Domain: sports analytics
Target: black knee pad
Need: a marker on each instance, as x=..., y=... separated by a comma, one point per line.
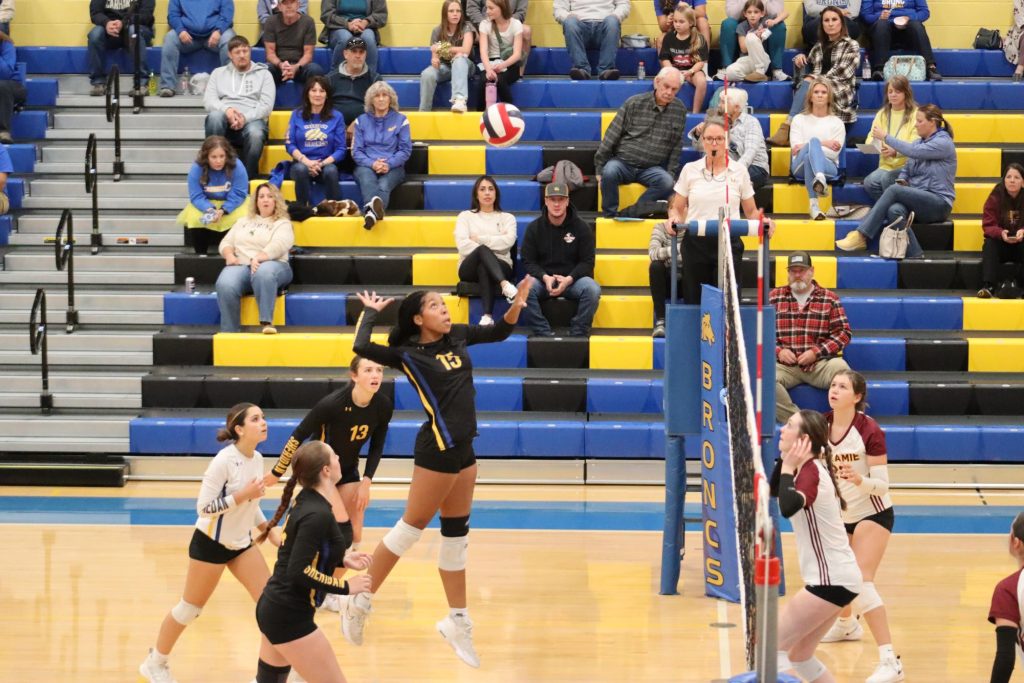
x=346, y=534
x=266, y=673
x=454, y=527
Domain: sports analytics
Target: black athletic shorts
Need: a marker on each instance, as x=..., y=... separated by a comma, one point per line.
x=837, y=595
x=451, y=461
x=205, y=549
x=349, y=475
x=885, y=519
x=282, y=624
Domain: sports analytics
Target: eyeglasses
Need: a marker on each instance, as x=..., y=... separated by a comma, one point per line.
x=714, y=140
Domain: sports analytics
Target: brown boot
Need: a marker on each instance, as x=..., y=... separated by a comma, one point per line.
x=781, y=137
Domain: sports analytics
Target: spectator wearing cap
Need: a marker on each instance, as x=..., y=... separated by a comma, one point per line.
x=592, y=25
x=239, y=98
x=811, y=331
x=195, y=25
x=115, y=29
x=558, y=251
x=345, y=19
x=350, y=81
x=6, y=168
x=643, y=143
x=290, y=36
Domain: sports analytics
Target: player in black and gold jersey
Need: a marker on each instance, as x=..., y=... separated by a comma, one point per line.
x=313, y=544
x=433, y=354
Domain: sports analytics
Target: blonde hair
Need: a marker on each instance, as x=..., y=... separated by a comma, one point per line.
x=696, y=39
x=900, y=84
x=376, y=89
x=280, y=208
x=808, y=107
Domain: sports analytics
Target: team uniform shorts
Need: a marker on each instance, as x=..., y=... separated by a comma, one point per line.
x=282, y=624
x=885, y=519
x=205, y=549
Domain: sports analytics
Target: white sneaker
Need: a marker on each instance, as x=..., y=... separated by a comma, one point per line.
x=780, y=75
x=843, y=631
x=155, y=672
x=458, y=632
x=510, y=291
x=459, y=105
x=889, y=670
x=486, y=320
x=821, y=184
x=353, y=621
x=334, y=603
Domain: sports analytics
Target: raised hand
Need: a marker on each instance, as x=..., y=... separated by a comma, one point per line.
x=374, y=300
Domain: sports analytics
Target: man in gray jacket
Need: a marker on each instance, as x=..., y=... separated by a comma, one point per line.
x=595, y=25
x=239, y=98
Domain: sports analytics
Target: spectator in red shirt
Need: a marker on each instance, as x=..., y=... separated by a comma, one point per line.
x=1003, y=223
x=1006, y=608
x=811, y=331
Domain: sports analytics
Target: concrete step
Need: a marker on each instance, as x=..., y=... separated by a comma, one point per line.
x=155, y=121
x=132, y=168
x=176, y=188
x=97, y=383
x=150, y=104
x=106, y=134
x=85, y=262
x=79, y=401
x=55, y=277
x=49, y=425
x=45, y=223
x=75, y=153
x=83, y=201
x=81, y=348
x=32, y=239
x=94, y=308
x=79, y=84
x=66, y=444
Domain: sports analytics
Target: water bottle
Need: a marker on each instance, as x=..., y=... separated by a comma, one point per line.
x=210, y=216
x=865, y=68
x=490, y=93
x=153, y=83
x=183, y=82
x=641, y=70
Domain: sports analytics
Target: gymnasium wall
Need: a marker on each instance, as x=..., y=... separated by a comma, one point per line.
x=65, y=22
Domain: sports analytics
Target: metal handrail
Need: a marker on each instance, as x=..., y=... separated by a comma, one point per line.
x=91, y=178
x=37, y=345
x=114, y=116
x=64, y=253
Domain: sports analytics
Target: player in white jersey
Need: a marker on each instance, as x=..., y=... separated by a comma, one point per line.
x=805, y=485
x=1006, y=609
x=228, y=507
x=859, y=452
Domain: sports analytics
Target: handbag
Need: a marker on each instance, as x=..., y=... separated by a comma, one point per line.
x=988, y=39
x=909, y=66
x=893, y=243
x=635, y=41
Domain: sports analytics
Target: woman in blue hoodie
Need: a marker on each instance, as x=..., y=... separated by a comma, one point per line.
x=925, y=187
x=217, y=189
x=316, y=141
x=381, y=144
x=12, y=86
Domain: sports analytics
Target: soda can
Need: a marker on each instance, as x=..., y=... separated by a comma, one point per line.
x=190, y=285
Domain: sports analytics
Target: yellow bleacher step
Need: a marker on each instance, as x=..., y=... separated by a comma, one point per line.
x=993, y=314
x=971, y=162
x=967, y=235
x=392, y=232
x=790, y=234
x=825, y=271
x=621, y=353
x=995, y=355
x=285, y=350
x=623, y=234
x=611, y=270
x=457, y=160
x=792, y=198
x=250, y=312
x=624, y=312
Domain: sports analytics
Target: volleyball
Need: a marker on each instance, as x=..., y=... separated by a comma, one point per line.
x=502, y=125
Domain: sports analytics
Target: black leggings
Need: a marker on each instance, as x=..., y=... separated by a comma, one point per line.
x=700, y=265
x=484, y=267
x=203, y=238
x=660, y=275
x=505, y=80
x=994, y=253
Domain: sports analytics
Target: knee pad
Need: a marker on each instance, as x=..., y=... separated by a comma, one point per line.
x=185, y=613
x=346, y=532
x=809, y=670
x=868, y=598
x=452, y=557
x=268, y=673
x=401, y=537
x=453, y=527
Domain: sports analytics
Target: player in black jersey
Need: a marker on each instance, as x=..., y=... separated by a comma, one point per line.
x=345, y=419
x=313, y=545
x=432, y=353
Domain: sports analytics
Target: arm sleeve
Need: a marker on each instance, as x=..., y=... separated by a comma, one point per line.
x=174, y=16
x=610, y=141
x=990, y=218
x=675, y=147
x=665, y=53
x=362, y=345
x=96, y=13
x=1002, y=664
x=404, y=146
x=920, y=12
x=282, y=239
x=268, y=93
x=377, y=439
x=528, y=252
x=227, y=15
x=263, y=11
x=870, y=11
x=378, y=16
x=211, y=502
x=474, y=11
x=311, y=424
x=877, y=484
x=196, y=195
x=938, y=147
x=228, y=241
x=501, y=242
x=753, y=139
x=519, y=10
x=656, y=248
x=791, y=501
x=487, y=334
x=302, y=571
x=294, y=132
x=340, y=143
x=463, y=244
x=839, y=332
x=211, y=96
x=358, y=152
x=585, y=267
x=239, y=189
x=561, y=10
x=853, y=6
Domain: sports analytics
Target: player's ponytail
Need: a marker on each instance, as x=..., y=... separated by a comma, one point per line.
x=813, y=424
x=310, y=458
x=1017, y=529
x=235, y=418
x=406, y=327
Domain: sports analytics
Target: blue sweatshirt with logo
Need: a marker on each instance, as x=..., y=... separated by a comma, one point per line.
x=232, y=190
x=200, y=17
x=317, y=139
x=385, y=137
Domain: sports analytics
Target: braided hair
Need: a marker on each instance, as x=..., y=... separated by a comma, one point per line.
x=813, y=424
x=310, y=458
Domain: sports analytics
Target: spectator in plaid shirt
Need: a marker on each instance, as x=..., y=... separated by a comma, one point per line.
x=811, y=330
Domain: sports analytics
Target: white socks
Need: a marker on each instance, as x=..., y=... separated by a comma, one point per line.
x=886, y=652
x=459, y=613
x=363, y=600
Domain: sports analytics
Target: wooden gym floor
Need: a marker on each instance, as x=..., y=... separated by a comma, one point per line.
x=83, y=590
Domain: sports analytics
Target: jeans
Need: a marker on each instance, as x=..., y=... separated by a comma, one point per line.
x=799, y=96
x=483, y=267
x=173, y=48
x=305, y=71
x=372, y=185
x=656, y=179
x=250, y=138
x=811, y=24
x=914, y=37
x=11, y=94
x=340, y=36
x=728, y=43
x=659, y=276
x=898, y=201
x=99, y=42
x=758, y=177
x=328, y=177
x=876, y=182
x=584, y=290
x=809, y=162
x=457, y=72
x=602, y=35
x=234, y=282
